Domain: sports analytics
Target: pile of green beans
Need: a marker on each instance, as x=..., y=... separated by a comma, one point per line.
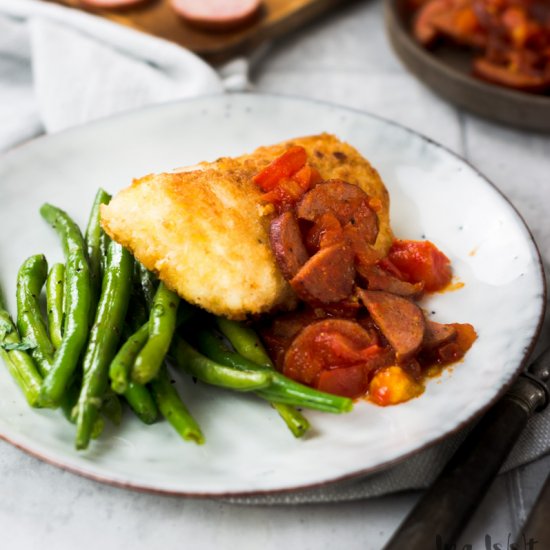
x=112, y=330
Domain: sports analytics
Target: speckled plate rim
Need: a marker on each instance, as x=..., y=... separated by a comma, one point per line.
x=84, y=472
x=472, y=94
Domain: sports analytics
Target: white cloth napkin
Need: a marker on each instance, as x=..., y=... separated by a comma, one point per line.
x=61, y=67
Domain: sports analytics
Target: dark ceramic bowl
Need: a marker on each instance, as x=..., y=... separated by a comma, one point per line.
x=447, y=71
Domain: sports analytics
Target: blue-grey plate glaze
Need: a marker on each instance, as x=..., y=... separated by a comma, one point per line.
x=435, y=195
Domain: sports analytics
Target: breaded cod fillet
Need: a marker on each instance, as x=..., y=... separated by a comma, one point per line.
x=205, y=230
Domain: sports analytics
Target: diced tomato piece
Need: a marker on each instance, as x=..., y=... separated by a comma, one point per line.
x=315, y=177
x=282, y=167
x=392, y=385
x=421, y=262
x=347, y=382
x=303, y=177
x=287, y=193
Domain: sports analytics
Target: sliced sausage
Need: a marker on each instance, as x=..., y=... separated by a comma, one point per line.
x=362, y=228
x=455, y=350
x=400, y=321
x=287, y=245
x=349, y=203
x=326, y=231
x=424, y=30
x=378, y=279
x=326, y=345
x=347, y=309
x=437, y=334
x=279, y=334
x=366, y=255
x=503, y=75
x=218, y=15
x=326, y=277
x=114, y=4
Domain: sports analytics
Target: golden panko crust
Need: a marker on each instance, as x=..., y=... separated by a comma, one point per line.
x=205, y=232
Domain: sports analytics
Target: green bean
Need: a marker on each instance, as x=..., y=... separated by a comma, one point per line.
x=77, y=305
x=137, y=396
x=148, y=284
x=111, y=407
x=137, y=314
x=70, y=399
x=68, y=406
x=141, y=402
x=121, y=365
x=296, y=422
x=104, y=336
x=162, y=324
x=294, y=394
x=30, y=280
x=245, y=341
x=173, y=409
x=94, y=241
x=248, y=344
x=20, y=364
x=55, y=290
x=206, y=370
x=97, y=428
x=283, y=389
x=138, y=310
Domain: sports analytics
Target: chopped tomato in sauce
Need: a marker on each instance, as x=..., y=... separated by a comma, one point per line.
x=420, y=262
x=290, y=162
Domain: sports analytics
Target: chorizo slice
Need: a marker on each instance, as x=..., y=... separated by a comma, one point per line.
x=349, y=203
x=326, y=277
x=287, y=245
x=400, y=321
x=326, y=231
x=217, y=15
x=326, y=345
x=378, y=279
x=279, y=334
x=423, y=28
x=503, y=75
x=362, y=229
x=437, y=334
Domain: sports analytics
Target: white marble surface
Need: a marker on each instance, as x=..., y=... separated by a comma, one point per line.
x=345, y=59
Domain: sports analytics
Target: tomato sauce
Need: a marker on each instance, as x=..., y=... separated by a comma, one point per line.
x=358, y=330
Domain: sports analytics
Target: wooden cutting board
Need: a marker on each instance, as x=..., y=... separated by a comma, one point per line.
x=156, y=17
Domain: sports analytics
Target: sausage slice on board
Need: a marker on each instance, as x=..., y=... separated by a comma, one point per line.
x=114, y=4
x=400, y=320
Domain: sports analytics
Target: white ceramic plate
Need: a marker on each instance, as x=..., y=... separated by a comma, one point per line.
x=435, y=195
